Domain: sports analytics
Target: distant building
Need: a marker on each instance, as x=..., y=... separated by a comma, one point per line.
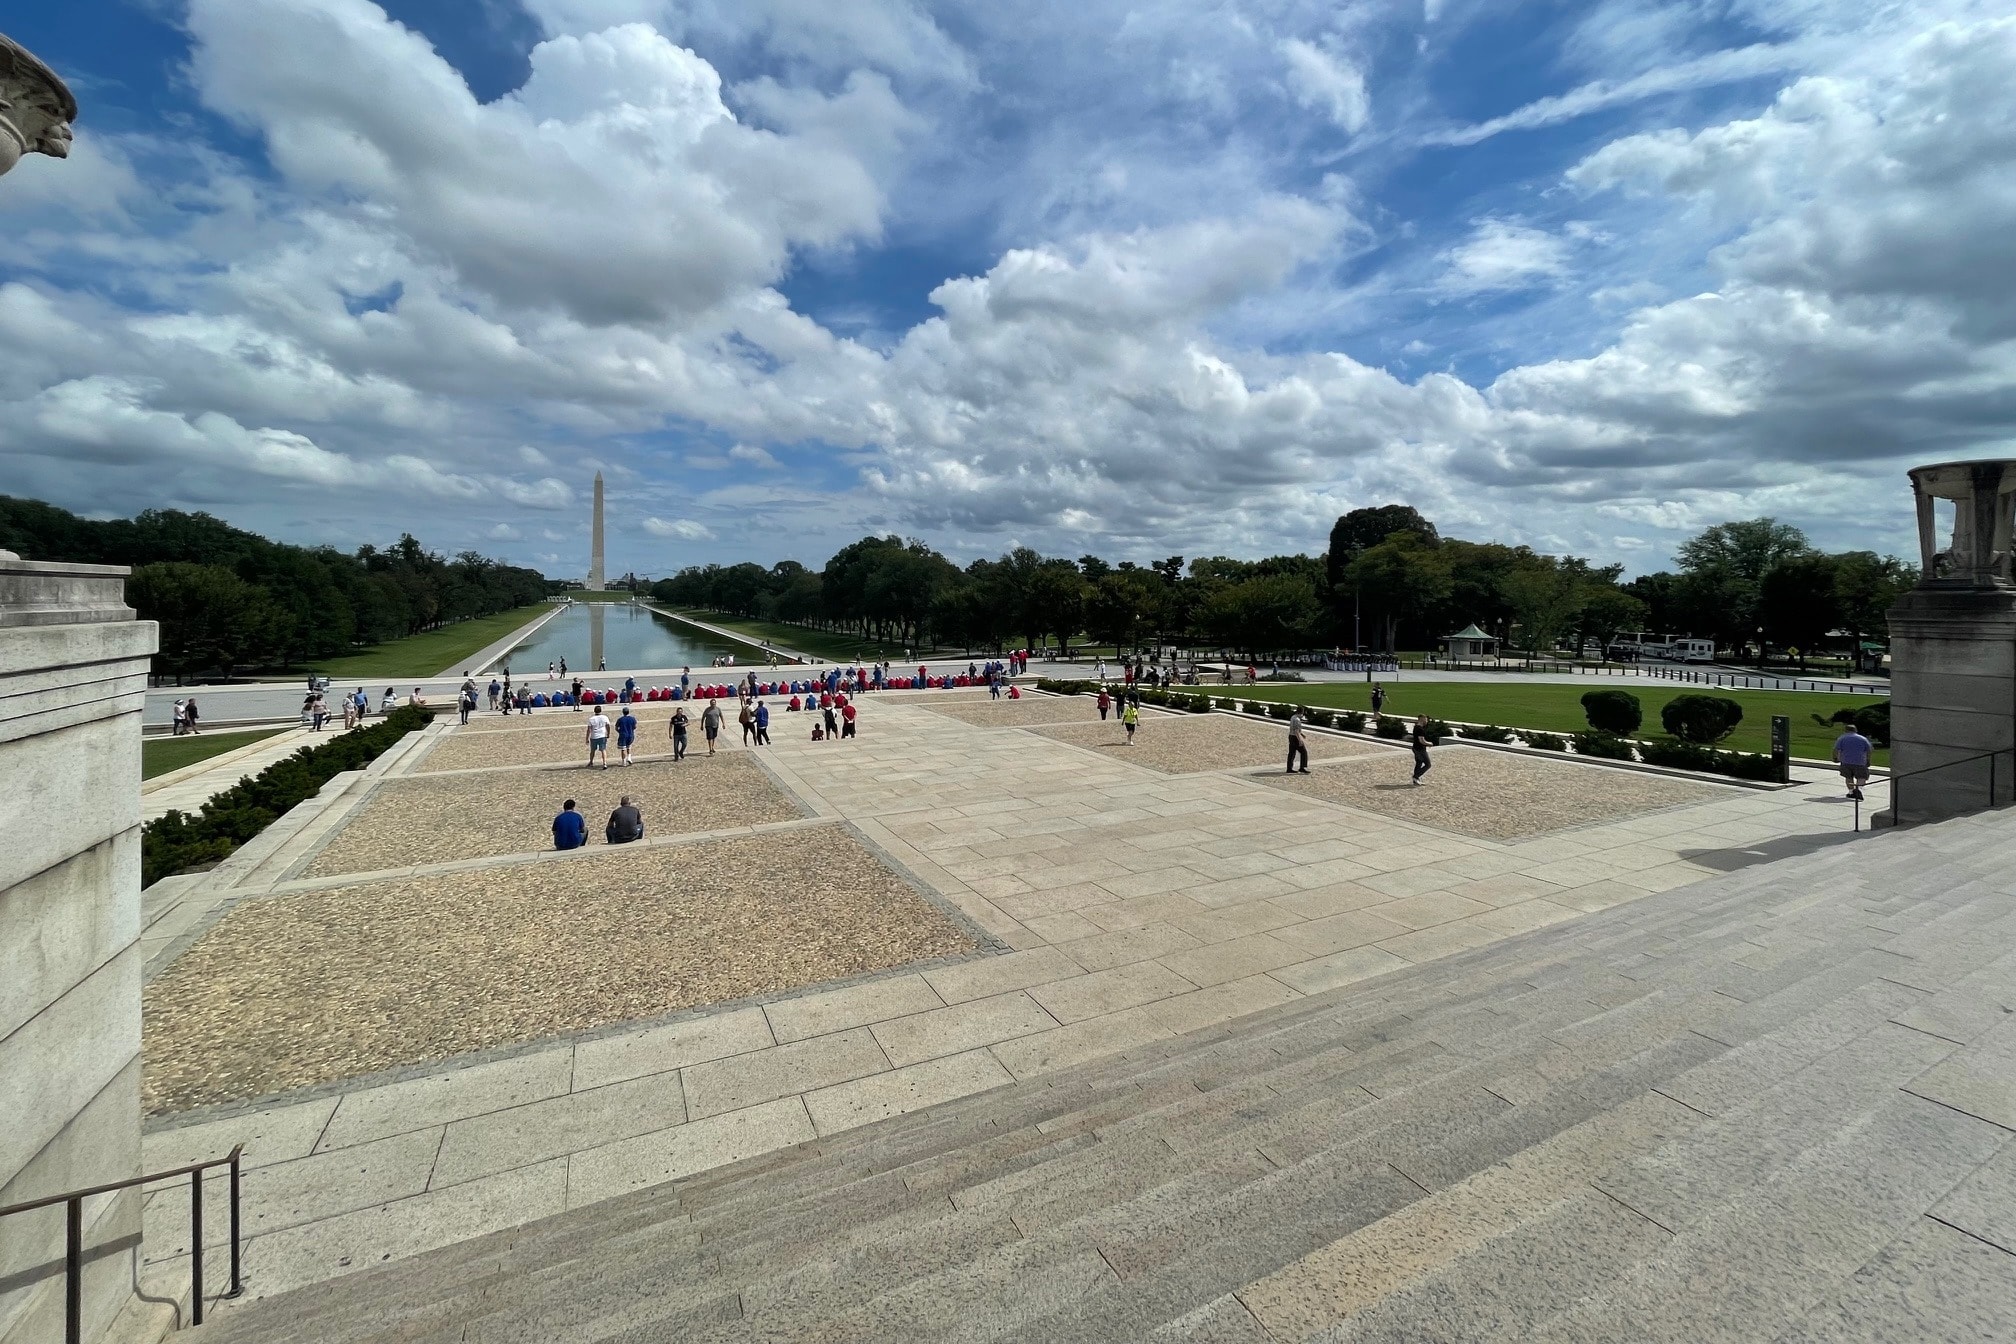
x=1470, y=642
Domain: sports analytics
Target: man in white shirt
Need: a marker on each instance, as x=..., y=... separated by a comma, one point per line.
x=598, y=737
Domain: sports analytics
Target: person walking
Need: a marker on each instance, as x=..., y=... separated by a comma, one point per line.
x=552, y=672
x=1851, y=754
x=762, y=724
x=678, y=727
x=710, y=724
x=832, y=722
x=570, y=828
x=574, y=694
x=563, y=667
x=1378, y=699
x=685, y=683
x=746, y=716
x=1105, y=703
x=190, y=717
x=178, y=719
x=1131, y=716
x=363, y=700
x=626, y=823
x=1420, y=741
x=626, y=734
x=468, y=702
x=1296, y=745
x=598, y=737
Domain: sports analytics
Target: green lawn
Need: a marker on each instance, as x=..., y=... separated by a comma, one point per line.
x=427, y=653
x=818, y=643
x=1553, y=707
x=159, y=755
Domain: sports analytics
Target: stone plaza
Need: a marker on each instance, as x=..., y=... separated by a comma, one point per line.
x=427, y=1026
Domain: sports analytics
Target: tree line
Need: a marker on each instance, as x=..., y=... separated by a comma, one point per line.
x=228, y=599
x=1388, y=581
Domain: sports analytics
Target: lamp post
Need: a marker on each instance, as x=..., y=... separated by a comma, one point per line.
x=36, y=107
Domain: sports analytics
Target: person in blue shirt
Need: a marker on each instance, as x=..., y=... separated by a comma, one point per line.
x=570, y=829
x=626, y=735
x=762, y=724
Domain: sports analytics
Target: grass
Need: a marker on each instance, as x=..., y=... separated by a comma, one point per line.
x=1555, y=708
x=819, y=643
x=159, y=755
x=427, y=653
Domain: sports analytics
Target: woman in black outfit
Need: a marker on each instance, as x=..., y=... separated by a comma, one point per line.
x=1421, y=742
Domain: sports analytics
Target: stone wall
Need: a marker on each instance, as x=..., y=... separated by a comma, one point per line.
x=73, y=677
x=1952, y=697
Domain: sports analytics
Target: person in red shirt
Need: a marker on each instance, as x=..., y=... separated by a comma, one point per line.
x=847, y=713
x=794, y=703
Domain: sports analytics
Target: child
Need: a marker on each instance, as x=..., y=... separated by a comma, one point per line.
x=818, y=733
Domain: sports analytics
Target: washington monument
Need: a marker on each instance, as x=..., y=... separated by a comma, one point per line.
x=595, y=552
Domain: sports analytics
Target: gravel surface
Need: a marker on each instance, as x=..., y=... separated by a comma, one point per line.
x=564, y=744
x=438, y=819
x=296, y=990
x=1497, y=795
x=1180, y=745
x=1006, y=713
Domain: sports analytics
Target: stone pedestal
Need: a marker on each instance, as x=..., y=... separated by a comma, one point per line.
x=1953, y=650
x=73, y=678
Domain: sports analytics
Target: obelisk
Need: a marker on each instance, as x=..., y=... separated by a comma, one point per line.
x=595, y=555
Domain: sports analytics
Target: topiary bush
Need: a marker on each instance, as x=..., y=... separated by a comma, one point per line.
x=1608, y=746
x=1873, y=722
x=1546, y=741
x=1320, y=718
x=1702, y=719
x=1350, y=720
x=1484, y=732
x=1435, y=729
x=1614, y=712
x=1280, y=709
x=1388, y=726
x=1255, y=707
x=1227, y=702
x=178, y=841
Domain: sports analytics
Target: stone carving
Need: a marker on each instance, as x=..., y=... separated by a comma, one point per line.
x=1984, y=504
x=36, y=107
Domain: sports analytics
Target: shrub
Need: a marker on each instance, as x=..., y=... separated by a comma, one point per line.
x=1227, y=702
x=1435, y=729
x=1255, y=707
x=1320, y=718
x=1486, y=732
x=177, y=842
x=1281, y=676
x=1609, y=746
x=1350, y=720
x=1388, y=726
x=1154, y=697
x=1062, y=686
x=1705, y=719
x=1614, y=712
x=1280, y=709
x=1546, y=741
x=1677, y=755
x=1872, y=721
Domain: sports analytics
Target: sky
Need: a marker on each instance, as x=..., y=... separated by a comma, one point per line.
x=1191, y=277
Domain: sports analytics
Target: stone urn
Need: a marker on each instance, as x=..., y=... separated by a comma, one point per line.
x=36, y=107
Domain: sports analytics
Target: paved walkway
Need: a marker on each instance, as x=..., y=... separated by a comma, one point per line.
x=1136, y=904
x=189, y=788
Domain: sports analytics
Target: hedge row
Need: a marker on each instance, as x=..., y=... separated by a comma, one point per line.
x=178, y=842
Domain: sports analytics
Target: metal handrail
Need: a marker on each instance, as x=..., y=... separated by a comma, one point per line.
x=1988, y=756
x=73, y=1251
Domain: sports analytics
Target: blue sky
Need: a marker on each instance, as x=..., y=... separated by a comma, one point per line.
x=1193, y=277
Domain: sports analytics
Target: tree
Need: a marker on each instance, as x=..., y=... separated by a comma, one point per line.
x=1401, y=579
x=1361, y=529
x=210, y=618
x=1866, y=585
x=1122, y=606
x=1057, y=602
x=1608, y=612
x=1265, y=613
x=1545, y=596
x=1798, y=602
x=1722, y=572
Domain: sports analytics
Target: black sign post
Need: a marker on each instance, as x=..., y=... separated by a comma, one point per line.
x=1781, y=747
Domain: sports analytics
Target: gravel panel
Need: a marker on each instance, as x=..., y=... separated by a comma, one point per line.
x=1497, y=795
x=439, y=819
x=293, y=991
x=1193, y=742
x=1006, y=713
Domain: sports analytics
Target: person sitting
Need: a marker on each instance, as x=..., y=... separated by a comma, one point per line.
x=1014, y=693
x=626, y=823
x=818, y=733
x=570, y=829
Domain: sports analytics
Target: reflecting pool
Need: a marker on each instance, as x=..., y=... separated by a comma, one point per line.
x=620, y=636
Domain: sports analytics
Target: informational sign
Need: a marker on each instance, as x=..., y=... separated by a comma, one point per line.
x=1781, y=747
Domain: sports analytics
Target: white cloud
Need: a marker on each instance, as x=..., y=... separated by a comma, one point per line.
x=1501, y=255
x=1327, y=82
x=751, y=455
x=683, y=529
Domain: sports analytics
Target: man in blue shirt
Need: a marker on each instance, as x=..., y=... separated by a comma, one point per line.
x=762, y=724
x=1851, y=753
x=626, y=734
x=570, y=829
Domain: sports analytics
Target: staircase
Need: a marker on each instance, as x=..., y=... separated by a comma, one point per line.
x=1779, y=1105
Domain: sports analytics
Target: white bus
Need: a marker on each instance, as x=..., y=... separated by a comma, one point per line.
x=1638, y=646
